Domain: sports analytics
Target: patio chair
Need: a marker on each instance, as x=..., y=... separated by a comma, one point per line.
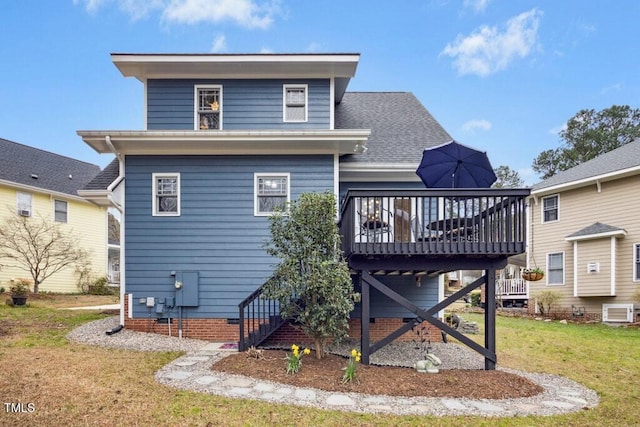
x=375, y=228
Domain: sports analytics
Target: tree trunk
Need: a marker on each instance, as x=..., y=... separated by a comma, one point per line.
x=36, y=286
x=319, y=348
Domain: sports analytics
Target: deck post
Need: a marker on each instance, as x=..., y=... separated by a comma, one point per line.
x=364, y=319
x=490, y=317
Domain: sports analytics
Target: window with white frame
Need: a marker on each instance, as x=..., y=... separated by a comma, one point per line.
x=271, y=193
x=555, y=268
x=60, y=210
x=23, y=204
x=636, y=262
x=166, y=194
x=550, y=208
x=208, y=107
x=295, y=103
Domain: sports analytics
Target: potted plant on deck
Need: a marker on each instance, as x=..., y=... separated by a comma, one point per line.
x=19, y=291
x=532, y=274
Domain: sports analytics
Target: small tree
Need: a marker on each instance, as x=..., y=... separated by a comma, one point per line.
x=545, y=300
x=312, y=281
x=38, y=246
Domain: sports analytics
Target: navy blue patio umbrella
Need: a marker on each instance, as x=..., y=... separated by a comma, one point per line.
x=454, y=165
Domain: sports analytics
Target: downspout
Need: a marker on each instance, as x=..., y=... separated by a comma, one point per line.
x=120, y=208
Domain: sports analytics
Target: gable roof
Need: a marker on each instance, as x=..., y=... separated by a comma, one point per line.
x=596, y=230
x=401, y=127
x=29, y=166
x=106, y=176
x=622, y=161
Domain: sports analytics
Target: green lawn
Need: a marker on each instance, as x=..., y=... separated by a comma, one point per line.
x=71, y=384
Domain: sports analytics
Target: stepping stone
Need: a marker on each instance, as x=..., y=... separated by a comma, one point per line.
x=574, y=399
x=240, y=391
x=487, y=407
x=454, y=404
x=186, y=363
x=238, y=382
x=377, y=400
x=304, y=394
x=557, y=404
x=284, y=391
x=272, y=396
x=340, y=400
x=207, y=379
x=178, y=375
x=263, y=387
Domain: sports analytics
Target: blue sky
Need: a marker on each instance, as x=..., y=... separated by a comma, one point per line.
x=500, y=75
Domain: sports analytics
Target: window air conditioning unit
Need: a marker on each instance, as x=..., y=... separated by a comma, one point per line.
x=593, y=267
x=24, y=212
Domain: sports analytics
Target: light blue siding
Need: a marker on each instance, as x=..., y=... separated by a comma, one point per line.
x=216, y=234
x=246, y=104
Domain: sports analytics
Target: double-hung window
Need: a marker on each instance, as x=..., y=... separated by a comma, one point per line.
x=271, y=193
x=23, y=204
x=295, y=103
x=60, y=210
x=550, y=208
x=166, y=194
x=555, y=268
x=208, y=107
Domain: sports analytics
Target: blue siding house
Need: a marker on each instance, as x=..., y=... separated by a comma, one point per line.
x=226, y=139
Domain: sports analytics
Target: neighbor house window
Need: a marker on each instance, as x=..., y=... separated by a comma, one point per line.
x=23, y=204
x=555, y=268
x=166, y=194
x=295, y=103
x=271, y=193
x=636, y=262
x=550, y=208
x=208, y=107
x=60, y=210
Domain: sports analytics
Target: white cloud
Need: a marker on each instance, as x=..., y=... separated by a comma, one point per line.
x=477, y=5
x=314, y=47
x=91, y=6
x=613, y=88
x=219, y=44
x=266, y=50
x=477, y=124
x=489, y=50
x=246, y=13
x=557, y=129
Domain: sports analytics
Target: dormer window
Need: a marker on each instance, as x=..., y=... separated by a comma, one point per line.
x=208, y=107
x=295, y=103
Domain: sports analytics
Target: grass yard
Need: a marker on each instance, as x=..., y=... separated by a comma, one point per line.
x=77, y=385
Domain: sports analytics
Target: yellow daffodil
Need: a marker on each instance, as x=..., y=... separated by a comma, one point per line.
x=307, y=351
x=354, y=353
x=357, y=358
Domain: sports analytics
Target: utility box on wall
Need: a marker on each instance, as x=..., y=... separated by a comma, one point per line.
x=187, y=289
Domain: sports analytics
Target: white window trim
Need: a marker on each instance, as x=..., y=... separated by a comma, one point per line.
x=154, y=194
x=54, y=211
x=635, y=260
x=196, y=121
x=284, y=102
x=18, y=193
x=564, y=268
x=258, y=175
x=542, y=209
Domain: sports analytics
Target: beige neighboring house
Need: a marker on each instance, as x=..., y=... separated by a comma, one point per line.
x=584, y=231
x=35, y=183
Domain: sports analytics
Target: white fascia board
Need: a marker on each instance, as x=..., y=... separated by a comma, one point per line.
x=228, y=142
x=372, y=172
x=593, y=180
x=145, y=66
x=39, y=190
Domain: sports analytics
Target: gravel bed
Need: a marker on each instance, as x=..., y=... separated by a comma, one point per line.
x=95, y=333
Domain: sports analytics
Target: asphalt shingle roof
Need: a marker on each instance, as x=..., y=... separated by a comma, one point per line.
x=595, y=228
x=31, y=166
x=625, y=157
x=105, y=177
x=401, y=127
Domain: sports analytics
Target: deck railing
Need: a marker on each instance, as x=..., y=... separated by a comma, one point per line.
x=512, y=288
x=433, y=222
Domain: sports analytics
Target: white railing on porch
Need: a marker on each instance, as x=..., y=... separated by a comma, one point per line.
x=511, y=287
